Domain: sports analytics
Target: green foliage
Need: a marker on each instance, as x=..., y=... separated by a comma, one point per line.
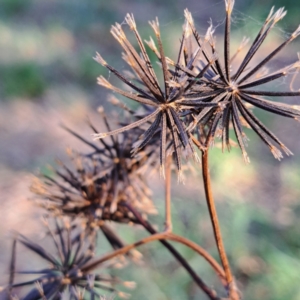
x=14, y=7
x=22, y=80
x=88, y=69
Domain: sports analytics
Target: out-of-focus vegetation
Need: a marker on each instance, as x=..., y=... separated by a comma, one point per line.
x=23, y=80
x=48, y=76
x=14, y=7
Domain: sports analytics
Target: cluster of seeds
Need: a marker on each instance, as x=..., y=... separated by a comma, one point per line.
x=203, y=94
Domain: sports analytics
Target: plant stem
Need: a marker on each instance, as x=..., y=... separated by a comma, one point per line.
x=155, y=237
x=168, y=217
x=12, y=269
x=233, y=294
x=209, y=292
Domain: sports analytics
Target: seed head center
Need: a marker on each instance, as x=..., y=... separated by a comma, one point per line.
x=166, y=106
x=232, y=87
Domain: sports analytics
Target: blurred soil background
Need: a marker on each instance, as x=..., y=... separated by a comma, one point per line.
x=48, y=77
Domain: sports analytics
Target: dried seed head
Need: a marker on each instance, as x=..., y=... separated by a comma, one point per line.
x=100, y=183
x=67, y=271
x=233, y=93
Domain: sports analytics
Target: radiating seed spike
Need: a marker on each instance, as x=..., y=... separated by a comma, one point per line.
x=125, y=128
x=151, y=44
x=287, y=151
x=102, y=81
x=187, y=29
x=188, y=17
x=155, y=26
x=296, y=32
x=209, y=33
x=180, y=177
x=118, y=33
x=129, y=18
x=244, y=43
x=229, y=6
x=280, y=14
x=270, y=13
x=98, y=58
x=170, y=61
x=276, y=152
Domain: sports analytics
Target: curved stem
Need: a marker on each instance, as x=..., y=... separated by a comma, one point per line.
x=155, y=237
x=209, y=292
x=216, y=227
x=124, y=250
x=213, y=263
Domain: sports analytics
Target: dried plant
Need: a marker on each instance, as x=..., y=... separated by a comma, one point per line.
x=202, y=97
x=234, y=90
x=98, y=184
x=168, y=105
x=65, y=274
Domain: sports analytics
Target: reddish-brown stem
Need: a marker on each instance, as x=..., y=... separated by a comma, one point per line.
x=216, y=227
x=209, y=292
x=156, y=237
x=168, y=217
x=123, y=250
x=213, y=263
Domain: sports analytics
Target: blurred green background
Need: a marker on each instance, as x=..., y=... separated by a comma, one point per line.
x=48, y=77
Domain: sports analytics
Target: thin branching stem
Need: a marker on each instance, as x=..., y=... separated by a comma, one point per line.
x=168, y=218
x=202, y=285
x=159, y=236
x=215, y=223
x=12, y=269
